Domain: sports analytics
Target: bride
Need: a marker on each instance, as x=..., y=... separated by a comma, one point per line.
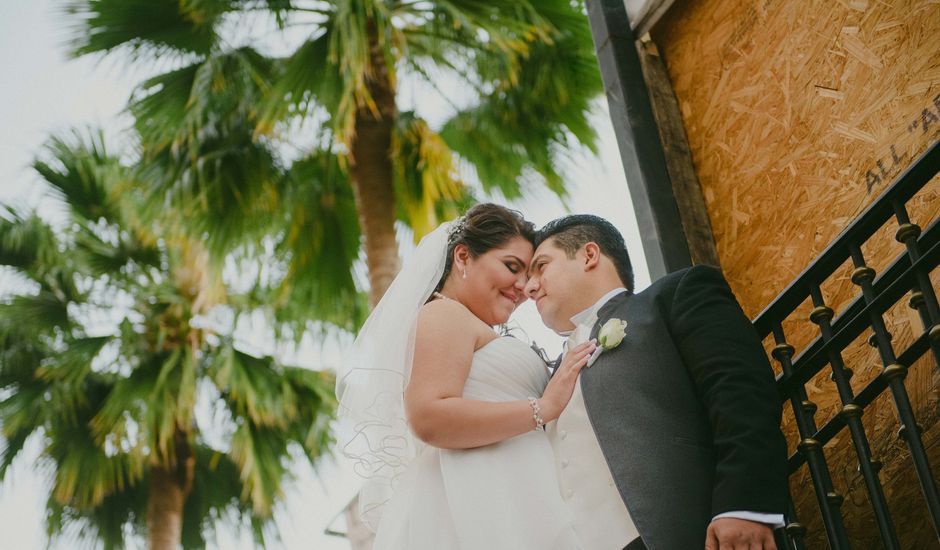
x=446, y=414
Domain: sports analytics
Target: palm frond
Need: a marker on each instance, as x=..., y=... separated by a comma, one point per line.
x=86, y=475
x=200, y=100
x=274, y=407
x=428, y=187
x=310, y=428
x=321, y=243
x=160, y=106
x=27, y=243
x=73, y=364
x=156, y=399
x=22, y=411
x=254, y=387
x=215, y=499
x=126, y=403
x=505, y=24
x=308, y=80
x=106, y=522
x=91, y=183
x=83, y=174
x=152, y=26
x=210, y=170
x=21, y=354
x=86, y=471
x=259, y=455
x=46, y=309
x=524, y=125
x=107, y=257
x=11, y=444
x=170, y=404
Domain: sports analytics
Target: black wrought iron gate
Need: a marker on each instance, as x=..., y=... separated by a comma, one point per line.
x=908, y=275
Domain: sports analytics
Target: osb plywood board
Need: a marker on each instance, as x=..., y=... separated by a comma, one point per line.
x=799, y=114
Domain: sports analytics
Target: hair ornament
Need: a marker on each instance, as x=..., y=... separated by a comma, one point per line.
x=456, y=229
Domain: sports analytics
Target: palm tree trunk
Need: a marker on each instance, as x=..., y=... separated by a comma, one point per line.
x=169, y=487
x=371, y=173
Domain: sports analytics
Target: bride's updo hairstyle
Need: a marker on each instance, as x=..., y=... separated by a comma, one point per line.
x=484, y=227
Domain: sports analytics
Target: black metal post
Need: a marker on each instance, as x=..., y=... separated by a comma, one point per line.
x=803, y=410
x=852, y=412
x=644, y=162
x=895, y=373
x=923, y=298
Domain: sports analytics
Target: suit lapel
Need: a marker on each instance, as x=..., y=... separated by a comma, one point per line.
x=613, y=365
x=605, y=387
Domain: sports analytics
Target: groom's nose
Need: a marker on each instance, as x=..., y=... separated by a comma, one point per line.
x=531, y=286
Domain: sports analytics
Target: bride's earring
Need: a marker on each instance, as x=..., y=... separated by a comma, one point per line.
x=464, y=273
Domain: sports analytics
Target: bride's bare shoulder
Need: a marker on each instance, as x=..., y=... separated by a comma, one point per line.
x=450, y=316
x=445, y=310
x=449, y=320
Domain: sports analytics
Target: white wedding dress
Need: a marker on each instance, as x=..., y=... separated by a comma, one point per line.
x=503, y=496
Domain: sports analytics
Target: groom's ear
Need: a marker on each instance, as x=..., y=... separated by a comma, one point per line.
x=592, y=256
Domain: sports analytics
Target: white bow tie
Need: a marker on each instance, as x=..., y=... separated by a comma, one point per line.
x=581, y=333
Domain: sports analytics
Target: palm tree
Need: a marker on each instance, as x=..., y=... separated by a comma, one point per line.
x=150, y=415
x=515, y=77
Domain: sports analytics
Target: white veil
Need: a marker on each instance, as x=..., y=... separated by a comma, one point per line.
x=370, y=384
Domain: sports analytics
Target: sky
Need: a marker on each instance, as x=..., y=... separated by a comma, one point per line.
x=43, y=92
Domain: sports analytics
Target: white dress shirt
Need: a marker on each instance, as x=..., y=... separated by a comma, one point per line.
x=600, y=517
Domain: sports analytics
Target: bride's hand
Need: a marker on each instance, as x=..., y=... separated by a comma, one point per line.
x=561, y=386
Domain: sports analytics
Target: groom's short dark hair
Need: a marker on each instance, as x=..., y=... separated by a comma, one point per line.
x=573, y=232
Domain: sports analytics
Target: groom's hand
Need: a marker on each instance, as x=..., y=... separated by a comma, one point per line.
x=739, y=534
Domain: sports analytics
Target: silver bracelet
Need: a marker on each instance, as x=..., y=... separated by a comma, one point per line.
x=536, y=413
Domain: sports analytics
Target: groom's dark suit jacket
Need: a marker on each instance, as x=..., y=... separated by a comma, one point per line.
x=686, y=410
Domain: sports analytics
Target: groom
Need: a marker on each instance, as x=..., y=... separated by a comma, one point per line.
x=671, y=440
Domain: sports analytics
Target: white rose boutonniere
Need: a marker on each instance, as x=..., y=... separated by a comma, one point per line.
x=609, y=337
x=612, y=333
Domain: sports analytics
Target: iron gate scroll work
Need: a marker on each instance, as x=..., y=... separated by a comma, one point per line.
x=907, y=276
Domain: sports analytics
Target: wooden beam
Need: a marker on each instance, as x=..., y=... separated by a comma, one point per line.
x=675, y=143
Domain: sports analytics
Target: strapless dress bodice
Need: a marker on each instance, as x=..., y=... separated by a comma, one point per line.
x=505, y=369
